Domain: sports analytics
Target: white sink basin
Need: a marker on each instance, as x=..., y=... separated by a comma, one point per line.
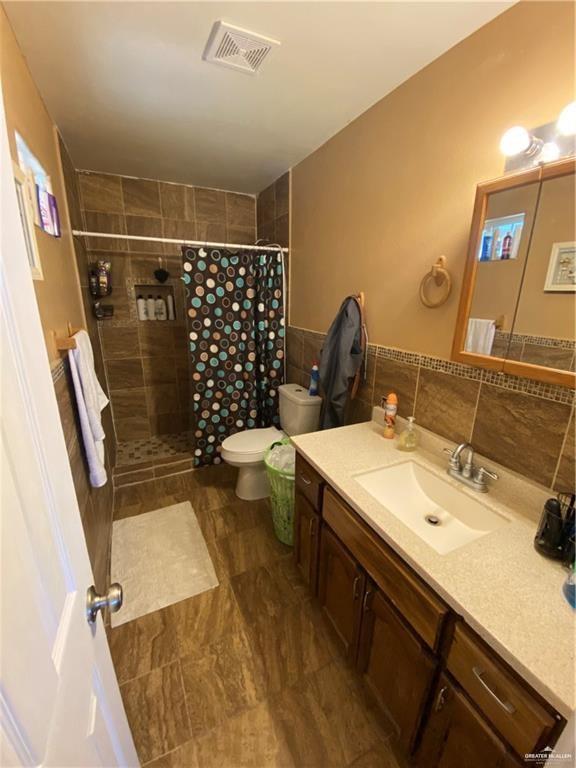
x=443, y=516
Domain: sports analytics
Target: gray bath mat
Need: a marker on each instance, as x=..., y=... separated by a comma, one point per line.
x=159, y=558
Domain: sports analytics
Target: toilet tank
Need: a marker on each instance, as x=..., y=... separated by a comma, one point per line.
x=299, y=411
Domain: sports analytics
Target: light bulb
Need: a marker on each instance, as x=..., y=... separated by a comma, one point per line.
x=515, y=141
x=567, y=121
x=549, y=152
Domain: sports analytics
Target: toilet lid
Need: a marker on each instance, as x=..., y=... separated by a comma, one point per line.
x=252, y=440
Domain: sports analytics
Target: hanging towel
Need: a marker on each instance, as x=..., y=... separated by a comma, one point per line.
x=340, y=361
x=91, y=400
x=480, y=336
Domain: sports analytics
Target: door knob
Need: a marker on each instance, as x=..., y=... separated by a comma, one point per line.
x=95, y=602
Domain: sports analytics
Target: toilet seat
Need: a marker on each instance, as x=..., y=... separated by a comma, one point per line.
x=250, y=445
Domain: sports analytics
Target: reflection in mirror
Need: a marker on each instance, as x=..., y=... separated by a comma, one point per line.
x=544, y=331
x=501, y=255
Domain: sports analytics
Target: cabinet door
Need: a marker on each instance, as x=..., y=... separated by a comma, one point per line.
x=456, y=735
x=395, y=664
x=340, y=590
x=306, y=540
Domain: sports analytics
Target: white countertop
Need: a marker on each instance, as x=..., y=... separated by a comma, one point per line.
x=502, y=587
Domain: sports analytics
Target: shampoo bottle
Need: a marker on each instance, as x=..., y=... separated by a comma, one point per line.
x=141, y=308
x=170, y=306
x=151, y=308
x=161, y=313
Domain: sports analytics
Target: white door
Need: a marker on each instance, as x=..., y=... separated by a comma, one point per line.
x=60, y=703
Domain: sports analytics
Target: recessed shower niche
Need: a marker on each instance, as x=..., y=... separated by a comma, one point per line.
x=154, y=301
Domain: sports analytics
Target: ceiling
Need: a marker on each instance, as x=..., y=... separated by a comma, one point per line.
x=127, y=86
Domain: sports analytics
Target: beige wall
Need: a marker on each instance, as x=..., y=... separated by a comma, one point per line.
x=376, y=205
x=58, y=295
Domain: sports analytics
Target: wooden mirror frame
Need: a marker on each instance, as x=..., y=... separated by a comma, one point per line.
x=529, y=370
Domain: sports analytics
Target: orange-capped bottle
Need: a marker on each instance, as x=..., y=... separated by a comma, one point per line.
x=390, y=404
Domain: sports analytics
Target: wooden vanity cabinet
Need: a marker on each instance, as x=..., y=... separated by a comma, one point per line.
x=306, y=540
x=457, y=736
x=395, y=664
x=341, y=584
x=307, y=505
x=454, y=701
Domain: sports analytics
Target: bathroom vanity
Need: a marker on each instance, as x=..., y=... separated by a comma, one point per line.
x=454, y=646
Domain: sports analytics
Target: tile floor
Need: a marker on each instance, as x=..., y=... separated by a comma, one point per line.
x=150, y=448
x=245, y=675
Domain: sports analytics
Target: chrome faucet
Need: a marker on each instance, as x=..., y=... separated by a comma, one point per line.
x=469, y=473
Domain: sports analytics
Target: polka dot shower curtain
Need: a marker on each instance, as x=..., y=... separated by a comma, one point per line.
x=235, y=308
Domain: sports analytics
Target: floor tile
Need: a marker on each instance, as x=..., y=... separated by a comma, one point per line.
x=141, y=645
x=265, y=592
x=249, y=549
x=221, y=680
x=213, y=487
x=181, y=757
x=156, y=710
x=289, y=647
x=217, y=522
x=206, y=618
x=249, y=740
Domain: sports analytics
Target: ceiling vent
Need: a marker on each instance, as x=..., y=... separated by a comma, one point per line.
x=237, y=48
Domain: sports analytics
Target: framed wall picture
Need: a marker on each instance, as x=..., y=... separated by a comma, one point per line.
x=26, y=205
x=561, y=274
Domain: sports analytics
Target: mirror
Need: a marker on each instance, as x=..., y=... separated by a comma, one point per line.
x=517, y=308
x=543, y=332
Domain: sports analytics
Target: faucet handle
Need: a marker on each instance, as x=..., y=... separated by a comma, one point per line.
x=449, y=451
x=482, y=473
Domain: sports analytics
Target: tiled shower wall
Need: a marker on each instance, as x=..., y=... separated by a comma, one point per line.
x=524, y=425
x=273, y=212
x=147, y=362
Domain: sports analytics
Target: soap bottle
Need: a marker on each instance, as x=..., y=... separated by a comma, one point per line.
x=141, y=308
x=314, y=379
x=151, y=307
x=390, y=404
x=161, y=313
x=409, y=438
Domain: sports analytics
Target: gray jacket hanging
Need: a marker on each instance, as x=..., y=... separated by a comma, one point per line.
x=340, y=361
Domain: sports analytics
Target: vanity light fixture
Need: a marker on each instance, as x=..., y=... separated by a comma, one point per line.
x=517, y=141
x=549, y=153
x=567, y=120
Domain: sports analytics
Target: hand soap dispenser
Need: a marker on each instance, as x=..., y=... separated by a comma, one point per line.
x=409, y=438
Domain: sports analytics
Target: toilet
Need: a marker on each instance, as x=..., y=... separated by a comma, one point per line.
x=299, y=413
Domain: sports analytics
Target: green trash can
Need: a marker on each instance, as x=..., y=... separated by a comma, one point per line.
x=281, y=496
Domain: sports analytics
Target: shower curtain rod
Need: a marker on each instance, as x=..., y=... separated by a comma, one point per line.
x=197, y=243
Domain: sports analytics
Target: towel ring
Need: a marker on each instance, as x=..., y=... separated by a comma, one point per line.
x=441, y=276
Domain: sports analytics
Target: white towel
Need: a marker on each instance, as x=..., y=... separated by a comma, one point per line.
x=91, y=400
x=480, y=336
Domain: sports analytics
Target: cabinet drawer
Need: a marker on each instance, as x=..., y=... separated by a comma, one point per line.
x=410, y=596
x=308, y=482
x=515, y=712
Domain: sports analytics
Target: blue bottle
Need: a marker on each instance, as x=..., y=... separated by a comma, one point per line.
x=314, y=379
x=569, y=588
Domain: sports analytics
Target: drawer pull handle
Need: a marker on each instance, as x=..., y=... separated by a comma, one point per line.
x=367, y=596
x=305, y=480
x=506, y=705
x=311, y=529
x=441, y=700
x=355, y=588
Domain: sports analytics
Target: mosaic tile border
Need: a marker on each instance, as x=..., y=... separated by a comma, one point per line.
x=503, y=380
x=541, y=341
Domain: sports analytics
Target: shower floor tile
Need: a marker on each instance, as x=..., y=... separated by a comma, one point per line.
x=152, y=448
